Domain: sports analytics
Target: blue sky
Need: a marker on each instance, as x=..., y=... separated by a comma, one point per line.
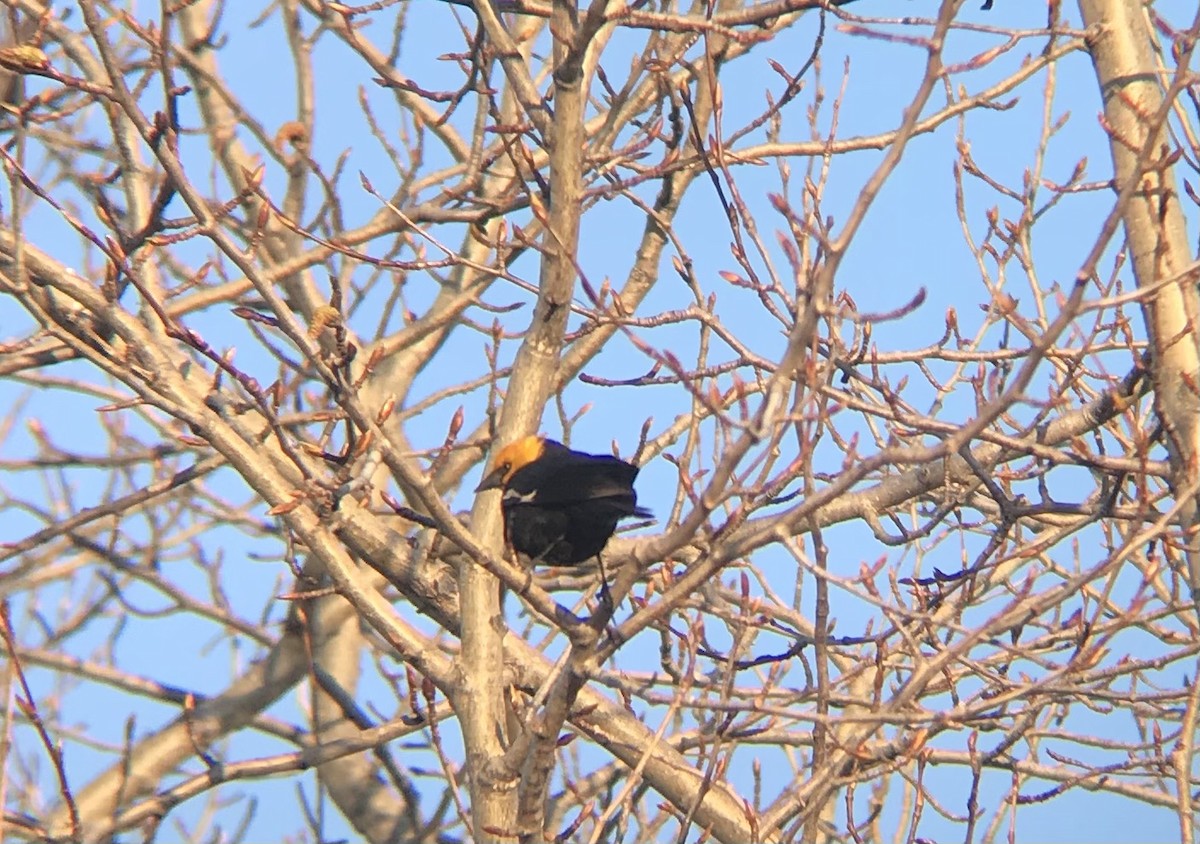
x=911, y=240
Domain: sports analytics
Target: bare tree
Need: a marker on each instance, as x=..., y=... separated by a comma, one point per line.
x=277, y=277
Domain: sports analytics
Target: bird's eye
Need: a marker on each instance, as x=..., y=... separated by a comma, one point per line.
x=505, y=467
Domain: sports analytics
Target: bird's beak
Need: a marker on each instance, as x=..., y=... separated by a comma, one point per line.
x=493, y=481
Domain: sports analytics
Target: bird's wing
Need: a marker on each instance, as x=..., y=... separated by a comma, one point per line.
x=573, y=480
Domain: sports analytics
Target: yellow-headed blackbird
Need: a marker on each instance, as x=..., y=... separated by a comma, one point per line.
x=561, y=506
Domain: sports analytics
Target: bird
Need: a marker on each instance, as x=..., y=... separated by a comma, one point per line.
x=561, y=506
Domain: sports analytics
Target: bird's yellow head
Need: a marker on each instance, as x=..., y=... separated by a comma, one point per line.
x=508, y=460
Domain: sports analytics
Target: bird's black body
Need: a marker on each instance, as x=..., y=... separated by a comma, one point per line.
x=561, y=506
